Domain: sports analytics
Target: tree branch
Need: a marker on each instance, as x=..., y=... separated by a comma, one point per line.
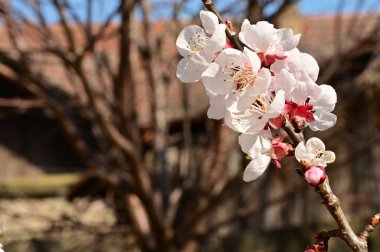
x=370, y=227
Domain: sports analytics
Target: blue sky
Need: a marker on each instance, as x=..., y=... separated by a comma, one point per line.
x=104, y=7
x=308, y=7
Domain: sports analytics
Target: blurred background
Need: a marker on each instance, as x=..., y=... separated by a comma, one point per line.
x=103, y=149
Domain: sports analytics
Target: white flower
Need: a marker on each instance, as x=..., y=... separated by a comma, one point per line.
x=209, y=21
x=236, y=74
x=323, y=105
x=304, y=89
x=296, y=62
x=264, y=108
x=322, y=97
x=258, y=148
x=314, y=153
x=199, y=49
x=261, y=149
x=284, y=81
x=262, y=37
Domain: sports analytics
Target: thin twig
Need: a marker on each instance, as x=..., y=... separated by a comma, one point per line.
x=370, y=227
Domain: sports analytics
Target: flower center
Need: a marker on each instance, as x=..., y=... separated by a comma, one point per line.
x=242, y=76
x=262, y=103
x=319, y=153
x=198, y=42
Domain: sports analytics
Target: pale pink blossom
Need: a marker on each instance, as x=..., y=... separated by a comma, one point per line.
x=296, y=62
x=199, y=47
x=322, y=98
x=269, y=42
x=265, y=107
x=261, y=150
x=237, y=75
x=314, y=153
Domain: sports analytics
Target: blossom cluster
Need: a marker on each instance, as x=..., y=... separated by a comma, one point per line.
x=256, y=89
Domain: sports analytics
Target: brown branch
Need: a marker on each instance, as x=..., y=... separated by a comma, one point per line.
x=289, y=129
x=160, y=106
x=254, y=11
x=281, y=9
x=124, y=82
x=370, y=227
x=142, y=182
x=332, y=203
x=322, y=240
x=13, y=29
x=22, y=104
x=65, y=25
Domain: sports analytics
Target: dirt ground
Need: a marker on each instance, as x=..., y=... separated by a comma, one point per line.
x=54, y=224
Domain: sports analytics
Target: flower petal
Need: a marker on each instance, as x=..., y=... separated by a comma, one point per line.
x=326, y=100
x=301, y=153
x=328, y=157
x=310, y=66
x=216, y=110
x=209, y=21
x=240, y=100
x=256, y=144
x=323, y=121
x=304, y=88
x=187, y=35
x=248, y=144
x=246, y=122
x=292, y=63
x=256, y=167
x=284, y=81
x=215, y=81
x=262, y=82
x=253, y=59
x=277, y=105
x=315, y=145
x=216, y=43
x=185, y=73
x=288, y=40
x=257, y=37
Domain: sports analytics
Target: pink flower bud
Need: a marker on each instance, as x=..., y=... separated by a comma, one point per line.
x=315, y=175
x=309, y=249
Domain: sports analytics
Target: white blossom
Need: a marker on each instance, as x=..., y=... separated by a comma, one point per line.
x=255, y=89
x=237, y=75
x=323, y=105
x=217, y=108
x=314, y=153
x=322, y=97
x=296, y=62
x=266, y=106
x=262, y=37
x=198, y=48
x=258, y=147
